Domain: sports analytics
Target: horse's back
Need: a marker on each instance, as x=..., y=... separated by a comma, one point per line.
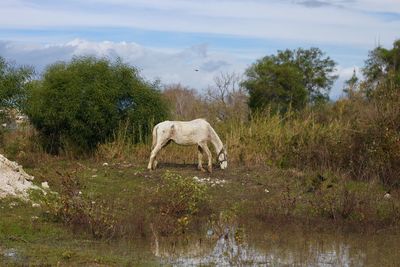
x=193, y=123
x=184, y=132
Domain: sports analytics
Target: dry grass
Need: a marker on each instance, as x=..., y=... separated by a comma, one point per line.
x=352, y=136
x=356, y=137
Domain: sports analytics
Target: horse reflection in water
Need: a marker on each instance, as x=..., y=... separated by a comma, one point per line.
x=277, y=249
x=226, y=251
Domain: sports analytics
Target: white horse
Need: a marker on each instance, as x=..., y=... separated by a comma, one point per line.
x=196, y=132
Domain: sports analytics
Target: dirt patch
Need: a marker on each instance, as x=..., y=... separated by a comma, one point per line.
x=14, y=181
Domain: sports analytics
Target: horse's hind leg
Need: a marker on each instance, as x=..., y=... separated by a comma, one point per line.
x=153, y=155
x=200, y=157
x=155, y=162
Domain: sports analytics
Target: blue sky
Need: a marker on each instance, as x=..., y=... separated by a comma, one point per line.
x=168, y=39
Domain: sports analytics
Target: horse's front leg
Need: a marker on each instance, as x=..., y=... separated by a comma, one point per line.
x=209, y=156
x=200, y=157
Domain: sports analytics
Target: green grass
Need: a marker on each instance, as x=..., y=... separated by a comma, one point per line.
x=40, y=242
x=133, y=199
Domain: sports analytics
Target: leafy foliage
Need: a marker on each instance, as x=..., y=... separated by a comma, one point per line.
x=13, y=84
x=278, y=86
x=81, y=103
x=382, y=66
x=292, y=77
x=78, y=211
x=178, y=199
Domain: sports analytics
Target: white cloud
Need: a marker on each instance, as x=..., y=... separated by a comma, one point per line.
x=354, y=24
x=169, y=67
x=351, y=24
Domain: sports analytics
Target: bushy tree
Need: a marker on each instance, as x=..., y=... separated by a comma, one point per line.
x=292, y=77
x=81, y=103
x=13, y=84
x=382, y=66
x=275, y=86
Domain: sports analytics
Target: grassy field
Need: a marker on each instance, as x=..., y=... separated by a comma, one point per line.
x=106, y=214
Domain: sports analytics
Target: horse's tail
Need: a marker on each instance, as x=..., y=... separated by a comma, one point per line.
x=154, y=141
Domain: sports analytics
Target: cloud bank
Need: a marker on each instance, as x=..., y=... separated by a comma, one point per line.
x=194, y=66
x=317, y=21
x=169, y=40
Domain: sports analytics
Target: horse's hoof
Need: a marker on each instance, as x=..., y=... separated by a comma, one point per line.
x=201, y=169
x=209, y=169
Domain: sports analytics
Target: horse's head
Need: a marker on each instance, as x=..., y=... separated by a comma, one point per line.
x=223, y=158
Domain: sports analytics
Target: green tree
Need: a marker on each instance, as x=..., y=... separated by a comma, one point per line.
x=81, y=103
x=351, y=84
x=382, y=66
x=275, y=85
x=308, y=69
x=13, y=84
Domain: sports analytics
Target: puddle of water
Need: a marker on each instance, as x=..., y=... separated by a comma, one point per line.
x=279, y=246
x=12, y=255
x=259, y=245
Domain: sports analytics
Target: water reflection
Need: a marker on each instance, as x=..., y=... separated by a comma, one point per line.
x=280, y=246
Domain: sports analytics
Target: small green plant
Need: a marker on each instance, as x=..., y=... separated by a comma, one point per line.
x=72, y=208
x=177, y=200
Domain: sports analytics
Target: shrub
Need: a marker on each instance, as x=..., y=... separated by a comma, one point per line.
x=80, y=104
x=74, y=209
x=13, y=84
x=176, y=200
x=374, y=149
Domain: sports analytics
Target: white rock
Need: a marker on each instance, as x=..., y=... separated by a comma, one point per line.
x=45, y=185
x=35, y=205
x=387, y=196
x=14, y=181
x=105, y=164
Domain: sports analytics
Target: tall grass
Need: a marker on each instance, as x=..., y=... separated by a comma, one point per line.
x=289, y=141
x=354, y=136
